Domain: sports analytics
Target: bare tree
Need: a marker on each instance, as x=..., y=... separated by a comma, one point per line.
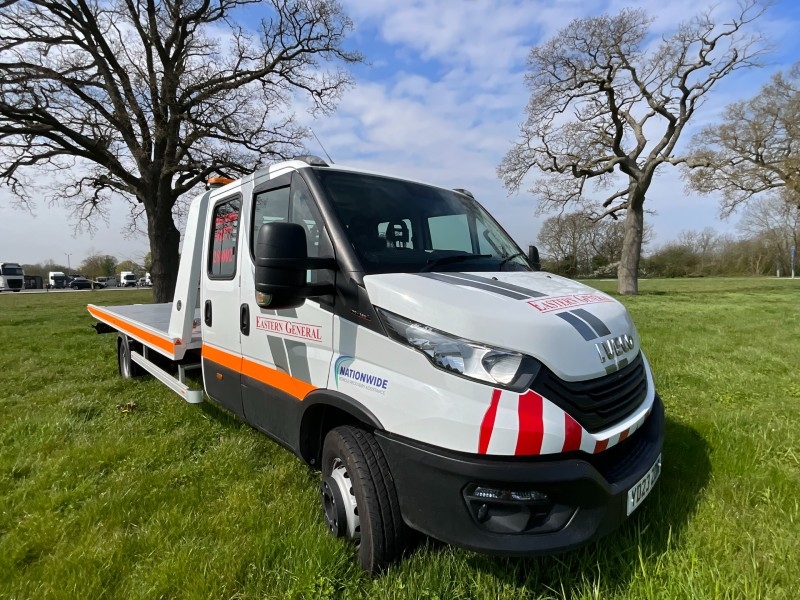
x=755, y=149
x=148, y=98
x=609, y=106
x=578, y=244
x=565, y=239
x=702, y=243
x=776, y=223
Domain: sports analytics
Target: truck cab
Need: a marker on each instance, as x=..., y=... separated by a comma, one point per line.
x=12, y=277
x=391, y=334
x=127, y=279
x=56, y=280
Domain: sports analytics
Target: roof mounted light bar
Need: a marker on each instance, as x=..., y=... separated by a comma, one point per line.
x=215, y=182
x=465, y=192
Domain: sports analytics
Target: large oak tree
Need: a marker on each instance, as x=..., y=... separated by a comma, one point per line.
x=148, y=98
x=608, y=105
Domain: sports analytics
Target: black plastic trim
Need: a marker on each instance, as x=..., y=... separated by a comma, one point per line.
x=224, y=390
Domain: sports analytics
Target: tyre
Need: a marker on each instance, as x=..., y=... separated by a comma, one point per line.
x=127, y=368
x=359, y=498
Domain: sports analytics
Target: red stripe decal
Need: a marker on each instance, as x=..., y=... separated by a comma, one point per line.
x=600, y=446
x=624, y=434
x=572, y=434
x=487, y=425
x=531, y=424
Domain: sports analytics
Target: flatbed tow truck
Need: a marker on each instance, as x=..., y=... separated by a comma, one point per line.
x=392, y=335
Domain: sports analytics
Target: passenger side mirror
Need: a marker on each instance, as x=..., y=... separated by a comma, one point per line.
x=281, y=261
x=533, y=258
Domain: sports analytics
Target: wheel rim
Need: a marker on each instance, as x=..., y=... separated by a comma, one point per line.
x=339, y=503
x=124, y=361
x=333, y=505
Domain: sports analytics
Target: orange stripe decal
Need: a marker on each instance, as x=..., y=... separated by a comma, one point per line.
x=147, y=337
x=226, y=359
x=278, y=379
x=250, y=368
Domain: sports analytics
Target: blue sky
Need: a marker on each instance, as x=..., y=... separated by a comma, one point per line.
x=441, y=101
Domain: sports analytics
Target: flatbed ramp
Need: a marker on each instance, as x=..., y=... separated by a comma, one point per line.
x=149, y=324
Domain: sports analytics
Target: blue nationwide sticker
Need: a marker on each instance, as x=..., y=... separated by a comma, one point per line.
x=342, y=371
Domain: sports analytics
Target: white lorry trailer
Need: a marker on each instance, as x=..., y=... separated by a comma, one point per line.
x=12, y=277
x=392, y=335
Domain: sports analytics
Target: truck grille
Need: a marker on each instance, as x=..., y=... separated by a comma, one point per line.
x=14, y=284
x=596, y=403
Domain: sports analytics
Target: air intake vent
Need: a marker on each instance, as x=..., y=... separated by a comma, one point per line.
x=599, y=403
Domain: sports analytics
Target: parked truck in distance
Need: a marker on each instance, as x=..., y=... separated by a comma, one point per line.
x=127, y=279
x=56, y=280
x=12, y=277
x=393, y=336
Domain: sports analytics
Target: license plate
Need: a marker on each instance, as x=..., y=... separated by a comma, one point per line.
x=639, y=491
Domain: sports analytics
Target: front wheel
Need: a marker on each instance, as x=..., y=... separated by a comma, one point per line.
x=359, y=498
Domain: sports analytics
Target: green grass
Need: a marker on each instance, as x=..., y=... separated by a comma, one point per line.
x=168, y=500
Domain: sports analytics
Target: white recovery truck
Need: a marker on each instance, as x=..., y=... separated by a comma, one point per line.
x=393, y=336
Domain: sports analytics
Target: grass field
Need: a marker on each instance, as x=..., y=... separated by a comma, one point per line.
x=118, y=489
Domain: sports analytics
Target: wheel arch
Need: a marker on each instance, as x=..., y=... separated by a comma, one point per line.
x=322, y=411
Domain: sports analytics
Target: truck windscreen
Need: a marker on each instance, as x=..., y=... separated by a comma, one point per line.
x=407, y=227
x=12, y=270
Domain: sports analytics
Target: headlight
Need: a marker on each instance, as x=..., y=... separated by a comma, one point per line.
x=496, y=366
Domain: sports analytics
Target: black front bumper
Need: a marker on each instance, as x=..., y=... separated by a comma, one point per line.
x=587, y=493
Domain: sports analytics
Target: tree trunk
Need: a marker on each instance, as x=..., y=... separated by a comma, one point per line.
x=164, y=243
x=628, y=274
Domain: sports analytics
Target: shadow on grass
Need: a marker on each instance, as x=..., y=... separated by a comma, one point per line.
x=609, y=564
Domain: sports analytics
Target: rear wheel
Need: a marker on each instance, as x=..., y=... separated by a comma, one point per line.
x=359, y=498
x=127, y=368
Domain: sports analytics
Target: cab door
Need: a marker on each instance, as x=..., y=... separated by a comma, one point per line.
x=286, y=354
x=219, y=303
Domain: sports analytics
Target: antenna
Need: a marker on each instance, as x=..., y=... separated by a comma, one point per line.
x=321, y=146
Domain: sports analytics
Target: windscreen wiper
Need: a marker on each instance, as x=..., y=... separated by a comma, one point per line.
x=508, y=258
x=454, y=258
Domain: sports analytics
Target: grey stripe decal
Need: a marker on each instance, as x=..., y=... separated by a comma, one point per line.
x=278, y=353
x=593, y=321
x=298, y=360
x=582, y=327
x=501, y=284
x=473, y=284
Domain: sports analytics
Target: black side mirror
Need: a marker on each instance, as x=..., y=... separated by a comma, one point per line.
x=533, y=258
x=281, y=263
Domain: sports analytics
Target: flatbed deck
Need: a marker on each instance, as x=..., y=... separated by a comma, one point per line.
x=148, y=324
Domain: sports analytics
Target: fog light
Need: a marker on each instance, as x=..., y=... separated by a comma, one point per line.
x=512, y=495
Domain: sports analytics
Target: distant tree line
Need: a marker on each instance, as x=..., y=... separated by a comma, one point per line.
x=574, y=245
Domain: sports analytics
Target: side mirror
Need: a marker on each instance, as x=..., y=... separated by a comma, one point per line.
x=281, y=263
x=533, y=258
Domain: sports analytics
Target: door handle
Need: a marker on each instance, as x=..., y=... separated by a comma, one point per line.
x=207, y=313
x=244, y=319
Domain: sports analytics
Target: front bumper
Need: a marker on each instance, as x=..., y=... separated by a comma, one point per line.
x=587, y=493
